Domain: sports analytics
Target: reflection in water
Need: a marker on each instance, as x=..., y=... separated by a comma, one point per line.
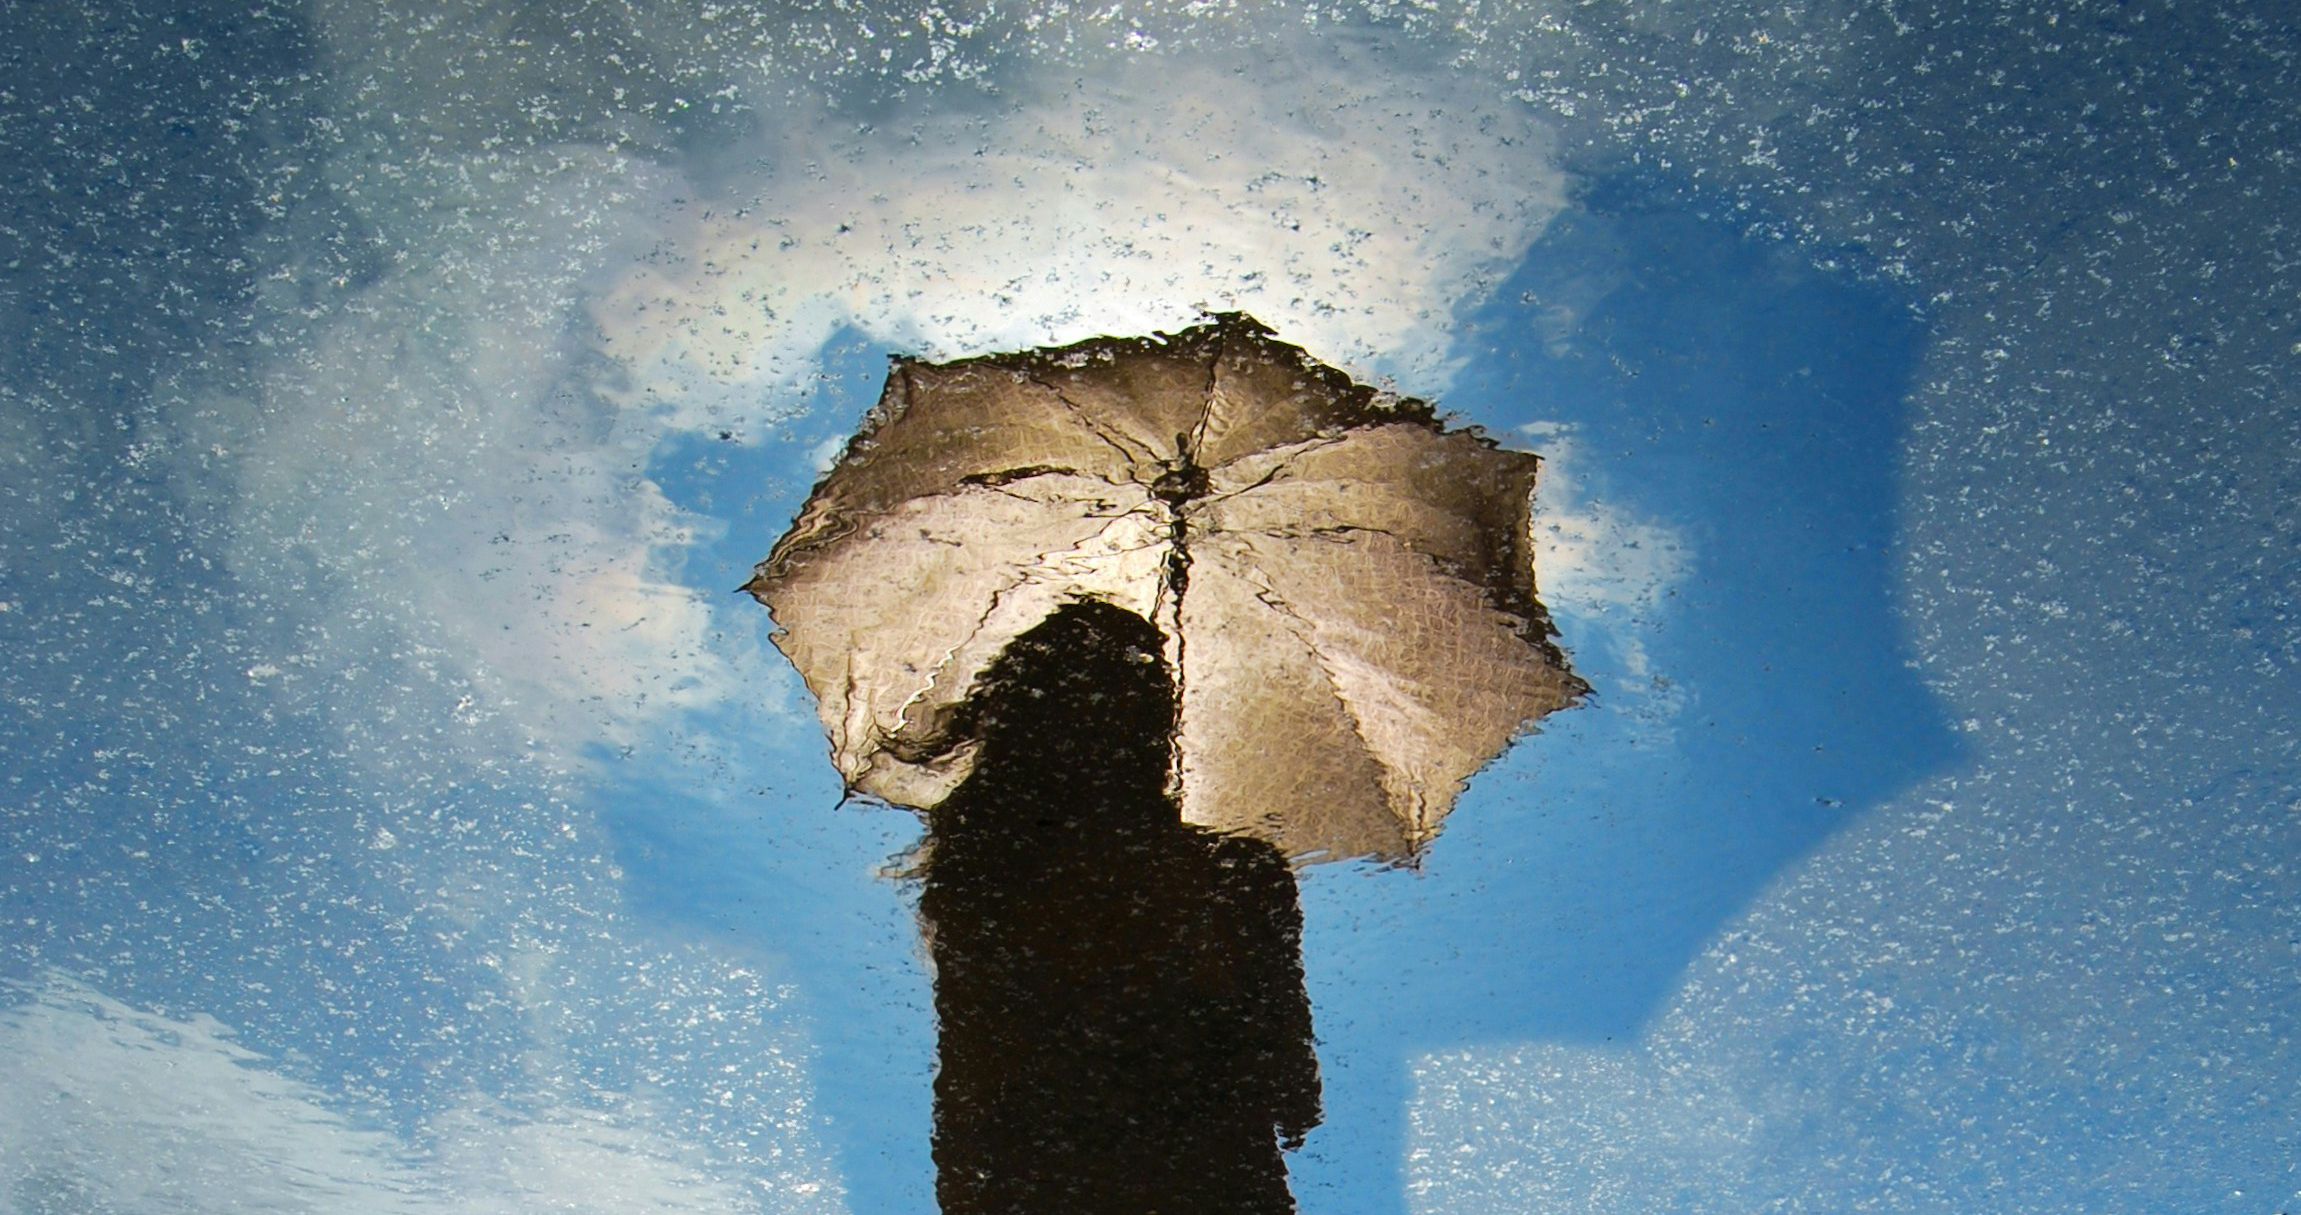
x=1123, y=1022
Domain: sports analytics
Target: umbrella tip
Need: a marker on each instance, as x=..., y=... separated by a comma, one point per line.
x=1239, y=320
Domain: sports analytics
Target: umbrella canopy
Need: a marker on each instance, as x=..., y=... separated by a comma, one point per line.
x=1345, y=587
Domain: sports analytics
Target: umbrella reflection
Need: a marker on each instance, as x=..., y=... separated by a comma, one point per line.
x=1123, y=1022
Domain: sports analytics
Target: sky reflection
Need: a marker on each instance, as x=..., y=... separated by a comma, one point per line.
x=388, y=759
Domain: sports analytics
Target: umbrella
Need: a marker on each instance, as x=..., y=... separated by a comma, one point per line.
x=1345, y=587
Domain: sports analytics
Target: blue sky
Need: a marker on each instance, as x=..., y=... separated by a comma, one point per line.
x=393, y=396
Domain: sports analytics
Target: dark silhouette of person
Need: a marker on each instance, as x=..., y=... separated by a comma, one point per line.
x=1124, y=1029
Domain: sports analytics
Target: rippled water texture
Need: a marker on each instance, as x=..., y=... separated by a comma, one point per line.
x=401, y=813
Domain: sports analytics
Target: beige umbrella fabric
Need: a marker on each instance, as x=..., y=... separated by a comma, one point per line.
x=1346, y=587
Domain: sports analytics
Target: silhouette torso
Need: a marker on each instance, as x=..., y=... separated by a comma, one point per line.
x=1123, y=1024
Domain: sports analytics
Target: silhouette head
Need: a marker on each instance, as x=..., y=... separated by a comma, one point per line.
x=1083, y=697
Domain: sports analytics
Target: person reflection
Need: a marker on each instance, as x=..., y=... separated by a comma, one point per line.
x=1124, y=1028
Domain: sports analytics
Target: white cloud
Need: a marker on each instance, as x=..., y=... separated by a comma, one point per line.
x=110, y=1107
x=114, y=1108
x=586, y=1161
x=1353, y=209
x=1961, y=1004
x=447, y=467
x=430, y=471
x=1596, y=559
x=1606, y=576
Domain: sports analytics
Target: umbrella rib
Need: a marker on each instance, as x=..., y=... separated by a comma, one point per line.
x=1111, y=439
x=928, y=748
x=1439, y=567
x=1206, y=400
x=1000, y=483
x=1038, y=570
x=1278, y=470
x=1301, y=627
